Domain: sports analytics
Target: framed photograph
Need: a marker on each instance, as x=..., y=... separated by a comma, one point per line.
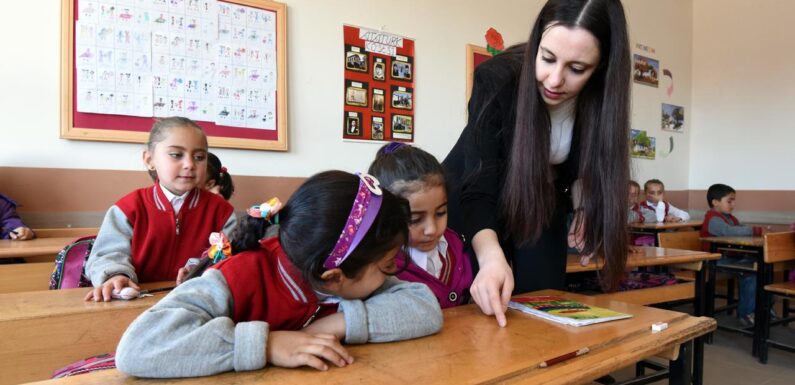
x=353, y=124
x=355, y=59
x=402, y=98
x=673, y=118
x=377, y=128
x=641, y=145
x=132, y=75
x=402, y=124
x=379, y=69
x=378, y=100
x=645, y=70
x=475, y=55
x=356, y=93
x=401, y=68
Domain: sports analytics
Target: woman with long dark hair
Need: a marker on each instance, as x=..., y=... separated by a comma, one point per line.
x=547, y=135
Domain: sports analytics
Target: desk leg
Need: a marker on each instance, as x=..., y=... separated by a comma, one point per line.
x=709, y=300
x=698, y=361
x=680, y=369
x=764, y=275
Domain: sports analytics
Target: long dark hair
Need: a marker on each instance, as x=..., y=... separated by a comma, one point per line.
x=602, y=121
x=311, y=222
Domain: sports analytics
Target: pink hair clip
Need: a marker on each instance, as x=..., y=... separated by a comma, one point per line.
x=220, y=248
x=266, y=210
x=365, y=208
x=223, y=170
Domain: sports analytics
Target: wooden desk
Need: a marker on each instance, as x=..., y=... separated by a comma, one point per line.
x=654, y=228
x=472, y=349
x=19, y=277
x=34, y=247
x=736, y=241
x=647, y=256
x=41, y=331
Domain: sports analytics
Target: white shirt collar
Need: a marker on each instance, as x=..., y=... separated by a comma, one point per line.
x=430, y=261
x=561, y=119
x=175, y=200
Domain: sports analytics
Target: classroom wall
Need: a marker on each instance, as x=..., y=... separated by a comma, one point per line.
x=743, y=122
x=442, y=28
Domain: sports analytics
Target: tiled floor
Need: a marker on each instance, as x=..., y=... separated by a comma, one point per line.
x=728, y=360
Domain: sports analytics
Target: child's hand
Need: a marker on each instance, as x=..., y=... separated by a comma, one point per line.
x=181, y=274
x=672, y=219
x=293, y=349
x=21, y=233
x=105, y=292
x=333, y=324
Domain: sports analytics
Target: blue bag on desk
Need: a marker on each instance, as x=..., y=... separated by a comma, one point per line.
x=69, y=270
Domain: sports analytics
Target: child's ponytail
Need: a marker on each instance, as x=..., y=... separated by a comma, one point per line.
x=255, y=225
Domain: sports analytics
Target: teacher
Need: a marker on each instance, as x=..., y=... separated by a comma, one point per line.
x=547, y=135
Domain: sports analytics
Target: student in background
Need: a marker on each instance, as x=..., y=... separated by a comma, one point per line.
x=218, y=179
x=719, y=222
x=656, y=207
x=292, y=291
x=437, y=252
x=11, y=225
x=149, y=234
x=634, y=214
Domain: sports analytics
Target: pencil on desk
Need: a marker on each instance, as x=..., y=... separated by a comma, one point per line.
x=564, y=357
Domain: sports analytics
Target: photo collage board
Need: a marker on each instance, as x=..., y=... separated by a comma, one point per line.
x=379, y=86
x=207, y=60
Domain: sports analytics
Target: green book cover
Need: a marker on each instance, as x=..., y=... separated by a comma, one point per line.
x=565, y=311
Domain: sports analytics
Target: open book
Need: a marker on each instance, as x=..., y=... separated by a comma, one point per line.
x=565, y=311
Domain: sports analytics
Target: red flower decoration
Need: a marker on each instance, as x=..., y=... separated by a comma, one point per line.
x=494, y=41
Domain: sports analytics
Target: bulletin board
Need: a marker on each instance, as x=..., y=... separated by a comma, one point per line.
x=380, y=95
x=221, y=63
x=475, y=56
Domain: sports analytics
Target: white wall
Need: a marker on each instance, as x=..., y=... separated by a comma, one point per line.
x=665, y=26
x=30, y=79
x=743, y=94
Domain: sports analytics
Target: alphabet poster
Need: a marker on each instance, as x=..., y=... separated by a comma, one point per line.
x=379, y=86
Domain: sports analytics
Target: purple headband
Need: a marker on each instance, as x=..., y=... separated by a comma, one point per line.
x=365, y=209
x=392, y=147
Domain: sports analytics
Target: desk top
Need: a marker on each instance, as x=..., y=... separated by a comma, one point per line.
x=47, y=303
x=472, y=349
x=737, y=241
x=31, y=248
x=645, y=256
x=665, y=225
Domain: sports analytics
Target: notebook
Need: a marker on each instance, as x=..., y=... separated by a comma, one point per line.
x=564, y=311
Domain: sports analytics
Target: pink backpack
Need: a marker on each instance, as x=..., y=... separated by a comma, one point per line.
x=68, y=272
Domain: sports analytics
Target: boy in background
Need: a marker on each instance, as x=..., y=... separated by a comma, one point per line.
x=719, y=222
x=657, y=208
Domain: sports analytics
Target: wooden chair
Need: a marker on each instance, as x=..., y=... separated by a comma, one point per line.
x=683, y=240
x=779, y=250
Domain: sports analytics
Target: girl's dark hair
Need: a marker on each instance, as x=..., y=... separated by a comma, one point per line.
x=162, y=128
x=528, y=198
x=404, y=169
x=718, y=191
x=312, y=219
x=217, y=172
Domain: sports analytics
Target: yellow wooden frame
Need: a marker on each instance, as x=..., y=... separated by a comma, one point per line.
x=68, y=131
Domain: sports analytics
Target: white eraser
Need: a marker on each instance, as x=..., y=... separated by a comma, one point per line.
x=658, y=327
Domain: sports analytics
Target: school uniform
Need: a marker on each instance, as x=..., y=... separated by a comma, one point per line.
x=9, y=219
x=661, y=210
x=221, y=320
x=447, y=269
x=149, y=234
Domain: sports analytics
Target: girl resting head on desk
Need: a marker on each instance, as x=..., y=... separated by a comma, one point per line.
x=302, y=278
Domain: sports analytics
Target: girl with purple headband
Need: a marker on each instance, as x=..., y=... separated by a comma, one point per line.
x=303, y=277
x=437, y=256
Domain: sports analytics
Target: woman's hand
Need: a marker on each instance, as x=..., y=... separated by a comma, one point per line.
x=292, y=349
x=576, y=238
x=492, y=287
x=105, y=292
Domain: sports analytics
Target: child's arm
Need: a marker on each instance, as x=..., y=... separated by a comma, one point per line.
x=719, y=228
x=230, y=224
x=681, y=214
x=11, y=224
x=189, y=333
x=111, y=254
x=397, y=311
